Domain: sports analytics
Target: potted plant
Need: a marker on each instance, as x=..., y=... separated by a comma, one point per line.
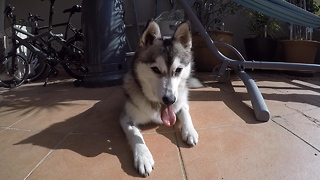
x=262, y=43
x=211, y=14
x=300, y=48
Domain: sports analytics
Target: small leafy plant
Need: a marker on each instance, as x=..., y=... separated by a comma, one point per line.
x=212, y=12
x=261, y=25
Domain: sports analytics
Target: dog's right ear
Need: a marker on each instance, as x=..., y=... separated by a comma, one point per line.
x=150, y=34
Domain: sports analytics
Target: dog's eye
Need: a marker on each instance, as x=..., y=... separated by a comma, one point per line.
x=156, y=70
x=178, y=70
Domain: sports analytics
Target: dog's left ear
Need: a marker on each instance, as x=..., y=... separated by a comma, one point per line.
x=150, y=34
x=183, y=35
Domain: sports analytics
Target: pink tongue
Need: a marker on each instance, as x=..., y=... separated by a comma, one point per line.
x=167, y=115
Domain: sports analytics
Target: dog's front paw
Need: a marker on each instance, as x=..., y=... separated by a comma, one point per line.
x=190, y=136
x=143, y=160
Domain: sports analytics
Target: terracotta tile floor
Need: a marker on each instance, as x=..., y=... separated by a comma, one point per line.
x=63, y=132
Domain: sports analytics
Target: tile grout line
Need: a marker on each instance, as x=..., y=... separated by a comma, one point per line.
x=117, y=87
x=180, y=158
x=30, y=114
x=69, y=133
x=185, y=177
x=222, y=126
x=3, y=129
x=202, y=128
x=296, y=135
x=21, y=119
x=10, y=127
x=45, y=157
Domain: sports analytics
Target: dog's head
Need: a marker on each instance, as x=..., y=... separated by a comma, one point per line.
x=163, y=65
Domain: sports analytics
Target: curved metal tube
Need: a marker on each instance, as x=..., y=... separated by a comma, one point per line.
x=259, y=106
x=260, y=109
x=232, y=48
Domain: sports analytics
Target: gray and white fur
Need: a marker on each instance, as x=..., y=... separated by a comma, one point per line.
x=157, y=89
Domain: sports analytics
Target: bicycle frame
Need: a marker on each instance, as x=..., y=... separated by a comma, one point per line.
x=41, y=46
x=67, y=24
x=30, y=37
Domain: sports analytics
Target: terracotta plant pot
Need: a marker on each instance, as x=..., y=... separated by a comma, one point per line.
x=300, y=51
x=204, y=59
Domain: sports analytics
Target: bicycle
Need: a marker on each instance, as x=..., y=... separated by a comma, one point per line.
x=77, y=39
x=14, y=68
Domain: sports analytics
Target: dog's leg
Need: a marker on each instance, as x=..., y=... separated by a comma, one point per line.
x=189, y=134
x=143, y=160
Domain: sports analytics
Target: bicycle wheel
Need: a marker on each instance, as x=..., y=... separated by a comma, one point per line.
x=37, y=65
x=75, y=65
x=13, y=75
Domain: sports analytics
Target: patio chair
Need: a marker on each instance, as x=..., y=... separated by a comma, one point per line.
x=278, y=9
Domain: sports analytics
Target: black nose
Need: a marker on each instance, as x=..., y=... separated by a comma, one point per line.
x=168, y=100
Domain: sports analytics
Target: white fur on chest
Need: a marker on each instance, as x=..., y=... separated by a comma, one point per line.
x=143, y=113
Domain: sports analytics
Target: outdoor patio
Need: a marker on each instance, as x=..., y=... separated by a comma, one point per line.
x=66, y=132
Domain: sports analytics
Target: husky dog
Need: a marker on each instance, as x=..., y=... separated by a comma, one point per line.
x=157, y=89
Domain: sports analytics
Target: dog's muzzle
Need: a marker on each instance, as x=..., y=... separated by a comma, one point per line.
x=169, y=99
